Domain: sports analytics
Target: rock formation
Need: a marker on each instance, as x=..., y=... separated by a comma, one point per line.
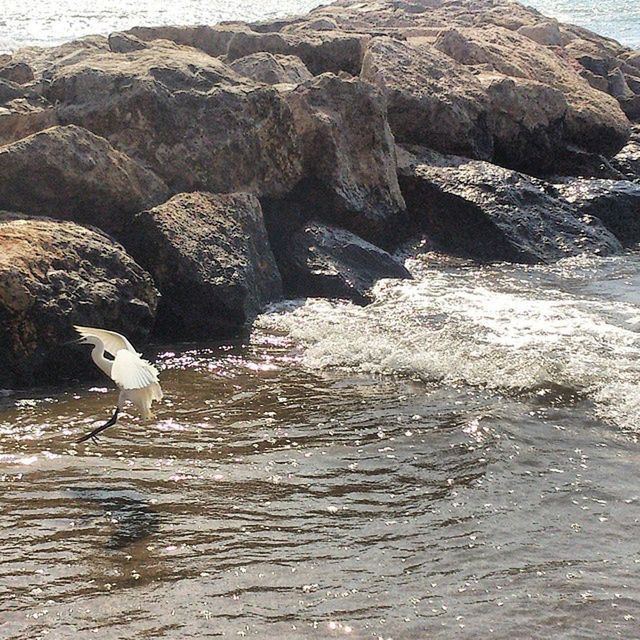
x=54, y=275
x=222, y=156
x=210, y=258
x=72, y=174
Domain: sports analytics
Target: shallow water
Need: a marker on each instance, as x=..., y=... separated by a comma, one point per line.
x=289, y=488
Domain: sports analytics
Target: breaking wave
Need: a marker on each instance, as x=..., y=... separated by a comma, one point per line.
x=573, y=326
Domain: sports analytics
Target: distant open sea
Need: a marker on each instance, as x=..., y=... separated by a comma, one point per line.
x=50, y=22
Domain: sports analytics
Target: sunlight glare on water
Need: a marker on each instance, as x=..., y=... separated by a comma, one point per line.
x=291, y=490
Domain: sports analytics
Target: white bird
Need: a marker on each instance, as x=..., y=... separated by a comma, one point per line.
x=136, y=378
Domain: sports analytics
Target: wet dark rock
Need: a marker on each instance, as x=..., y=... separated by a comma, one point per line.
x=476, y=209
x=72, y=174
x=628, y=160
x=54, y=275
x=616, y=203
x=324, y=261
x=272, y=69
x=210, y=257
x=186, y=115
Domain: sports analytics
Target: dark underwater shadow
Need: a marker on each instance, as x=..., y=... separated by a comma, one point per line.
x=133, y=517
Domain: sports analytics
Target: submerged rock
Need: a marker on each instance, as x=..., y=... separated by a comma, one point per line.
x=72, y=174
x=324, y=261
x=616, y=203
x=210, y=257
x=476, y=209
x=57, y=274
x=186, y=115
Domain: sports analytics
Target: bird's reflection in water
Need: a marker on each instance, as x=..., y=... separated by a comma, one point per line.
x=132, y=517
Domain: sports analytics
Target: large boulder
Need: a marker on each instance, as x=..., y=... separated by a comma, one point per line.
x=348, y=157
x=272, y=69
x=527, y=123
x=616, y=203
x=210, y=257
x=479, y=210
x=432, y=100
x=593, y=121
x=54, y=275
x=188, y=116
x=324, y=261
x=70, y=173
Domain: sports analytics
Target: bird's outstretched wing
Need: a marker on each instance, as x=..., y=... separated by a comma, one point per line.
x=113, y=342
x=130, y=371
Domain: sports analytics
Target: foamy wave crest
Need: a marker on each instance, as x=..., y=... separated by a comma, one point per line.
x=510, y=329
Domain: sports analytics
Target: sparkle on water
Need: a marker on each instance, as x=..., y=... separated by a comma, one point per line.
x=49, y=22
x=459, y=459
x=448, y=462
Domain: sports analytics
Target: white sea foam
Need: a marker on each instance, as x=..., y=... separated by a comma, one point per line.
x=575, y=325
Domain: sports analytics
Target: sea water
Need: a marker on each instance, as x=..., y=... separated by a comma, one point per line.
x=49, y=22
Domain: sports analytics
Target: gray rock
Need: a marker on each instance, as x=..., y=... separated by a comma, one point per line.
x=210, y=257
x=23, y=117
x=546, y=33
x=18, y=72
x=348, y=156
x=593, y=121
x=324, y=261
x=72, y=174
x=272, y=69
x=125, y=43
x=321, y=51
x=54, y=275
x=186, y=115
x=616, y=203
x=478, y=210
x=432, y=99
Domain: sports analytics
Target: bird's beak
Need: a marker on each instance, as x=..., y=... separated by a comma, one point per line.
x=76, y=341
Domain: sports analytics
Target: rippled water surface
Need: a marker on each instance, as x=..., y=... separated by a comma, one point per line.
x=49, y=22
x=450, y=467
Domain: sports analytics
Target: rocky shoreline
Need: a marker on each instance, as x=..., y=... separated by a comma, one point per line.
x=170, y=182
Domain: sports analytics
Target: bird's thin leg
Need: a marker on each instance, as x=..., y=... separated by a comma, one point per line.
x=102, y=427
